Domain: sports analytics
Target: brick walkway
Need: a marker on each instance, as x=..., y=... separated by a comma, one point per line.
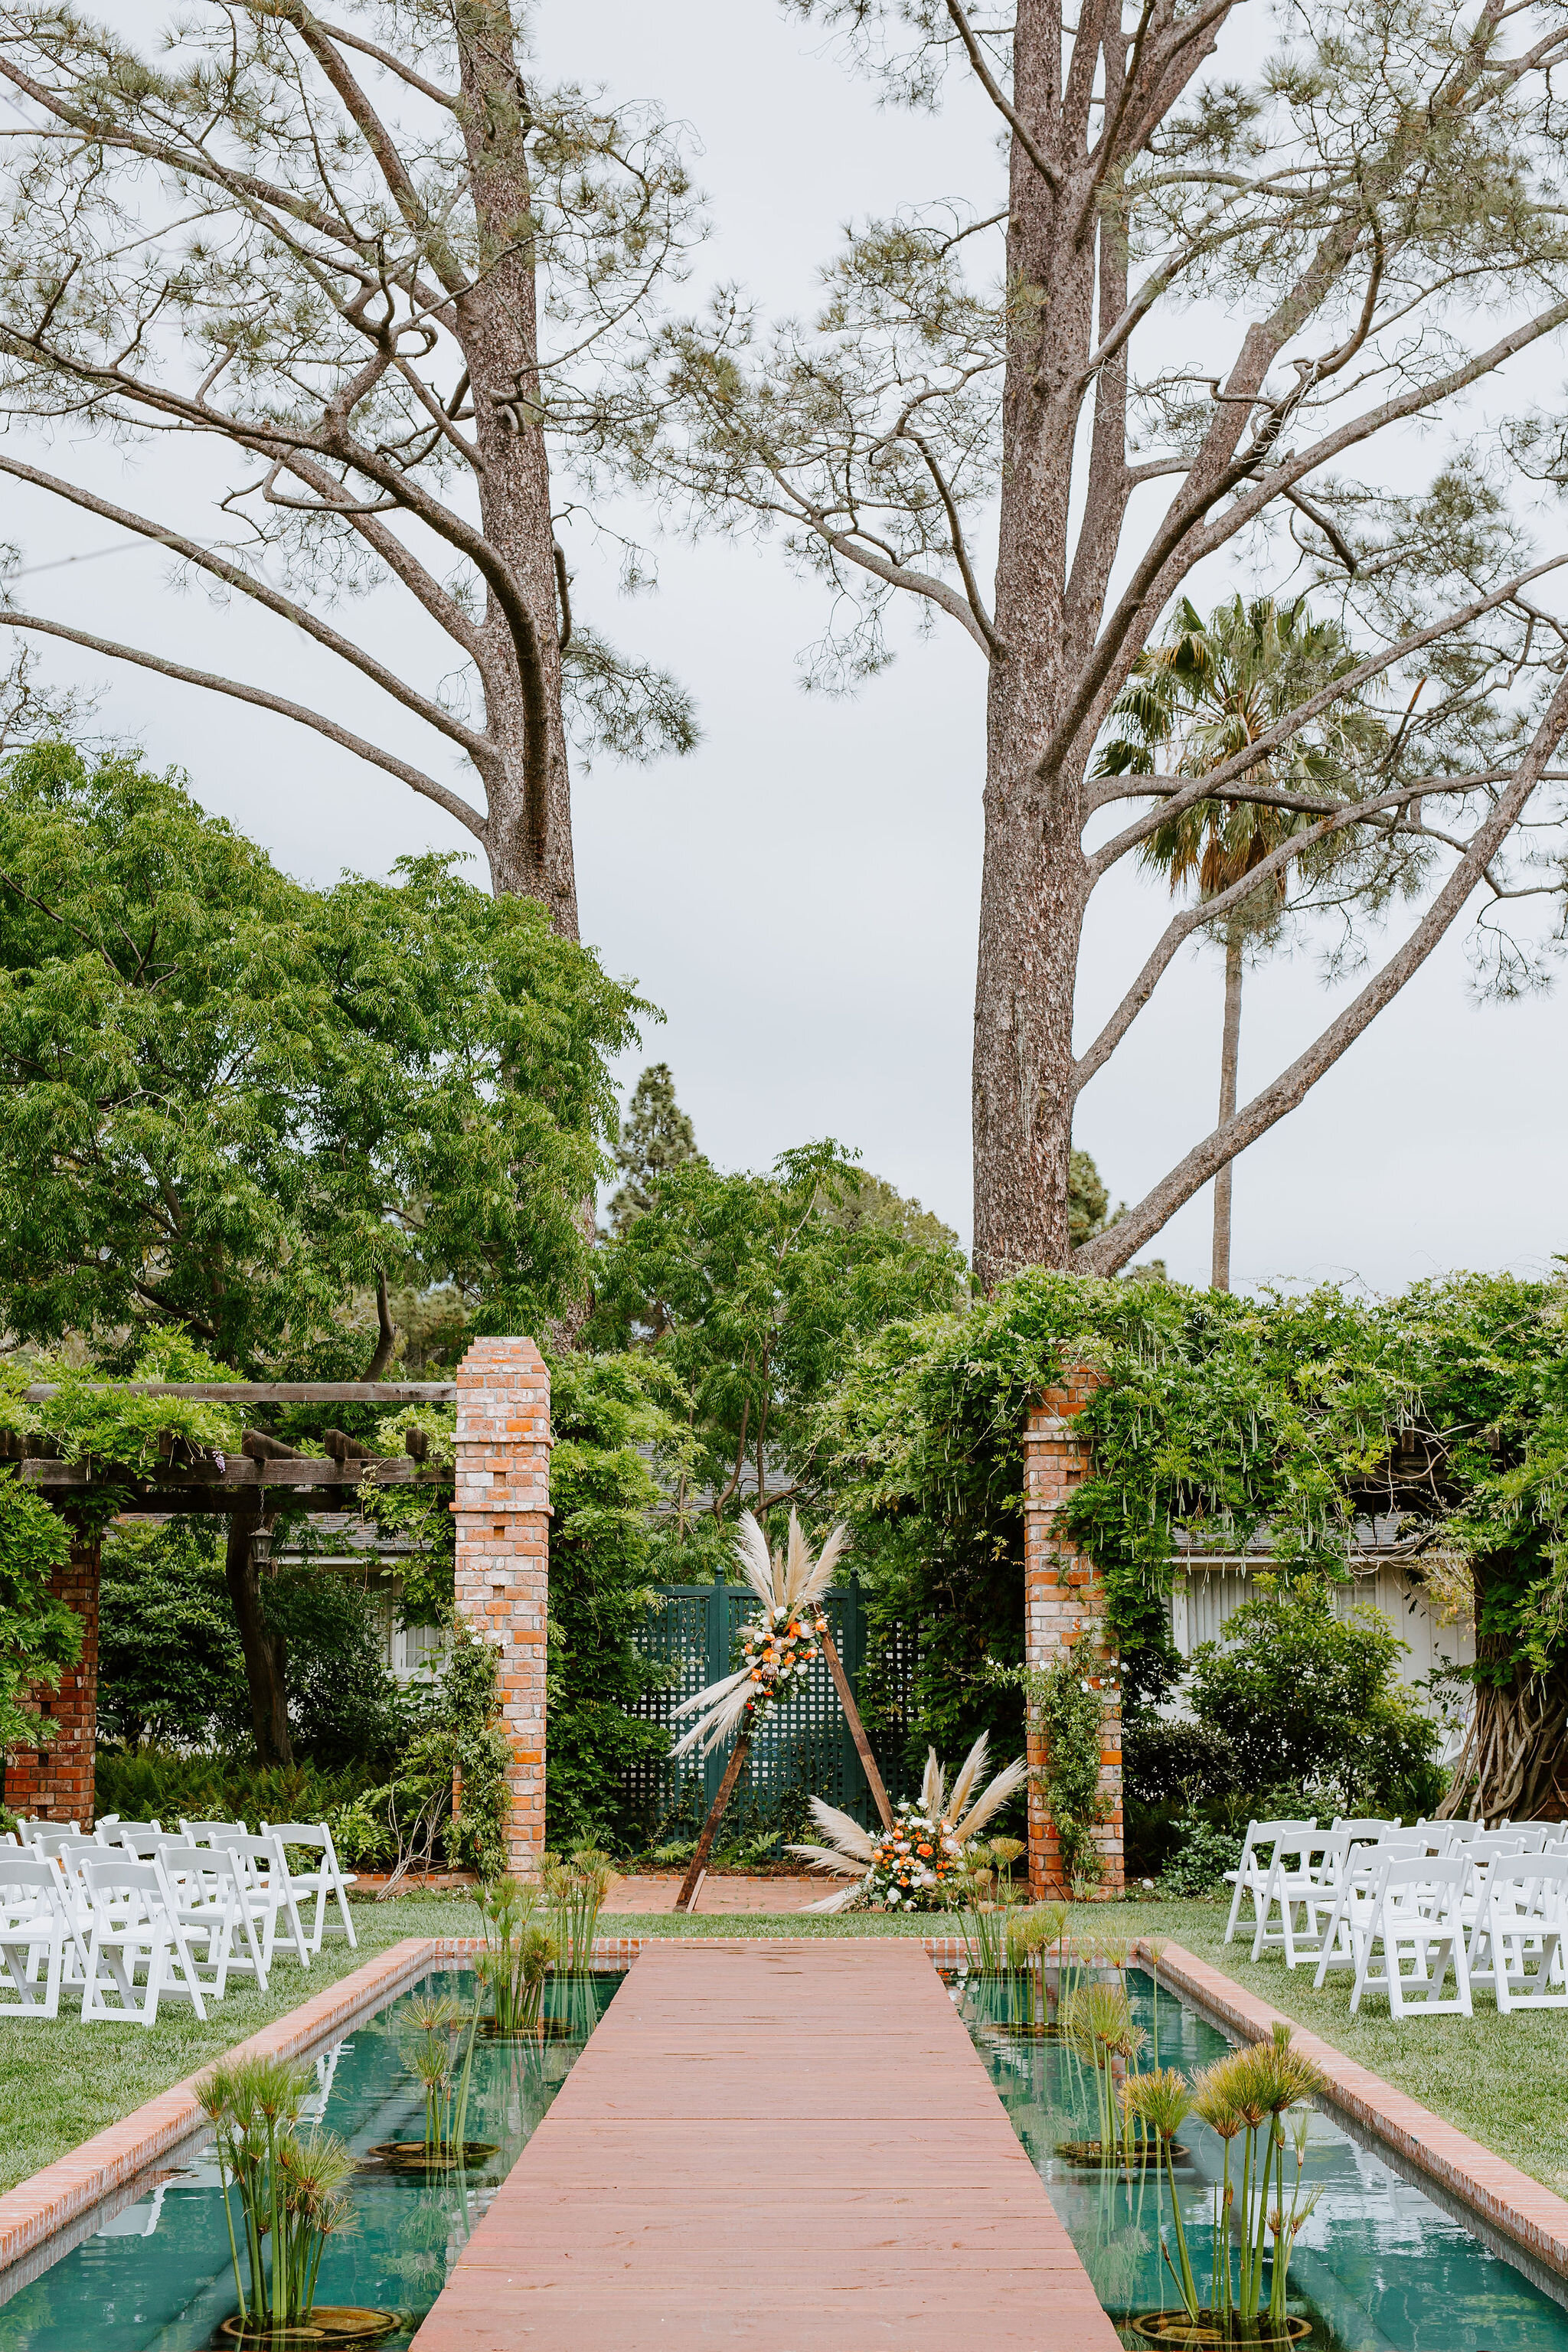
x=788, y=2146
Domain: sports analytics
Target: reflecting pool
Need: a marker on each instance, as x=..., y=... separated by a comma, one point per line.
x=156, y=2276
x=1378, y=2267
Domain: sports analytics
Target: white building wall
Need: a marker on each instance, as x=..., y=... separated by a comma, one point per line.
x=1205, y=1595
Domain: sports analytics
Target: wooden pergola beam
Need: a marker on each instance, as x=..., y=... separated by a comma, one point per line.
x=239, y=1470
x=272, y=1391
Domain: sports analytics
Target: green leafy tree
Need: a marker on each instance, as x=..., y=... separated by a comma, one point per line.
x=1307, y=1699
x=1088, y=1201
x=235, y=1107
x=656, y=1135
x=752, y=1290
x=1212, y=689
x=229, y=1103
x=169, y=1667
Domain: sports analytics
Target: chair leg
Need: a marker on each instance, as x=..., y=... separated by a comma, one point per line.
x=340, y=1891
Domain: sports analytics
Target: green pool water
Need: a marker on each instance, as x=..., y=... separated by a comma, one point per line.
x=156, y=2276
x=1379, y=2267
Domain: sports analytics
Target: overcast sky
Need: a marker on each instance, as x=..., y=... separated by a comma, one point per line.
x=800, y=895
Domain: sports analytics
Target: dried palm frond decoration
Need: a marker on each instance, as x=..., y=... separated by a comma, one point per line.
x=919, y=1863
x=782, y=1643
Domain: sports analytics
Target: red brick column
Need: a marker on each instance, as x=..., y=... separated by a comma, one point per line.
x=502, y=1507
x=1063, y=1607
x=55, y=1783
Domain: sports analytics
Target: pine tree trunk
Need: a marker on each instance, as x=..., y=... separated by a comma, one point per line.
x=529, y=834
x=1230, y=1039
x=1034, y=882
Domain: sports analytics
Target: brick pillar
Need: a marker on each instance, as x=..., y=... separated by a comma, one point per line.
x=55, y=1783
x=1063, y=1608
x=502, y=1507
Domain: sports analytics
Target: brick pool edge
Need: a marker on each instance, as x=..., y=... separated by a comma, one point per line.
x=1511, y=2202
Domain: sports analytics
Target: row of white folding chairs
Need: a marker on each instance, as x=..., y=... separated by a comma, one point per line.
x=1491, y=1906
x=324, y=1883
x=183, y=1913
x=1297, y=1855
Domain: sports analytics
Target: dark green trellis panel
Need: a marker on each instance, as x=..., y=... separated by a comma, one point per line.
x=804, y=1742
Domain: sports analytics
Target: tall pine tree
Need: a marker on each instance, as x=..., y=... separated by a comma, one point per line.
x=656, y=1135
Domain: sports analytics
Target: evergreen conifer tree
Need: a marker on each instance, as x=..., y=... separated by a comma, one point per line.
x=655, y=1135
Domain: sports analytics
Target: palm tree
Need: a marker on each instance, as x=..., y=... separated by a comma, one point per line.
x=1211, y=688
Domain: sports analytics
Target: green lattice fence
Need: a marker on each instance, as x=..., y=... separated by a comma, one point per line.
x=803, y=1747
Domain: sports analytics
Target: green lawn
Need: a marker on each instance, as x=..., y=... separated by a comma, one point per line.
x=61, y=2081
x=1503, y=2080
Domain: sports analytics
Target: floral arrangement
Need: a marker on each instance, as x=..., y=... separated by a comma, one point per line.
x=782, y=1642
x=912, y=1864
x=920, y=1864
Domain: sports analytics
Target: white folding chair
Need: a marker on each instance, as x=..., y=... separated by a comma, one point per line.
x=207, y=1884
x=134, y=1923
x=1304, y=1876
x=1251, y=1875
x=1413, y=1910
x=269, y=1896
x=48, y=1841
x=131, y=1837
x=324, y=1880
x=1335, y=1947
x=1465, y=1830
x=1367, y=1832
x=1520, y=1920
x=29, y=1830
x=36, y=1928
x=211, y=1832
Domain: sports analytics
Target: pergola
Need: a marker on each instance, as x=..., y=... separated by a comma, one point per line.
x=500, y=1501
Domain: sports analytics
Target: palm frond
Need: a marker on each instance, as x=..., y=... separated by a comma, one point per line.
x=992, y=1799
x=969, y=1772
x=751, y=1551
x=842, y=1830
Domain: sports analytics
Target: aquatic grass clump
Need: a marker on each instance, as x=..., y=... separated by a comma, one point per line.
x=520, y=1952
x=575, y=1889
x=289, y=2189
x=1249, y=2091
x=430, y=2050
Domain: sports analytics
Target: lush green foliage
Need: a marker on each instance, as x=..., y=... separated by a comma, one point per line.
x=231, y=1102
x=1218, y=1416
x=1303, y=1698
x=656, y=1135
x=168, y=1663
x=165, y=1784
x=615, y=1424
x=169, y=1667
x=752, y=1289
x=1070, y=1713
x=38, y=1633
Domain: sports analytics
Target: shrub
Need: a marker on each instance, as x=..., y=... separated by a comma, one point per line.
x=1200, y=1858
x=154, y=1783
x=1306, y=1699
x=1163, y=1761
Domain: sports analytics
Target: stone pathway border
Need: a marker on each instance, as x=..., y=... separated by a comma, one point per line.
x=1513, y=2204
